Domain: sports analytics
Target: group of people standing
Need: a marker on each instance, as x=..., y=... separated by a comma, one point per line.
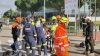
x=34, y=29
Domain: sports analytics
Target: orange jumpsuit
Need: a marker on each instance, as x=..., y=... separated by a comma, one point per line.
x=61, y=40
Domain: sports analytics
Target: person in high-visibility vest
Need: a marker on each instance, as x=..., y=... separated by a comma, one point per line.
x=16, y=31
x=53, y=18
x=53, y=28
x=84, y=25
x=61, y=42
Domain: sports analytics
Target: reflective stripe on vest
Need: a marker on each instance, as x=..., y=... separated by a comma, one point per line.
x=60, y=43
x=66, y=45
x=62, y=36
x=57, y=46
x=84, y=23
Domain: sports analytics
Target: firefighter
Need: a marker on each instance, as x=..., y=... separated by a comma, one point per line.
x=16, y=28
x=89, y=36
x=40, y=37
x=83, y=25
x=32, y=21
x=53, y=18
x=53, y=28
x=29, y=34
x=61, y=42
x=44, y=21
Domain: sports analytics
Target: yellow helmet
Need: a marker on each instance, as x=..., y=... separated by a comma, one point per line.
x=43, y=20
x=53, y=17
x=64, y=20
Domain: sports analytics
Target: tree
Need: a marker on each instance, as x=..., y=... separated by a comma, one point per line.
x=59, y=4
x=9, y=13
x=81, y=2
x=28, y=5
x=93, y=6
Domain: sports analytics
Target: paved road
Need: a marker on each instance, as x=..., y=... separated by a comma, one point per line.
x=5, y=37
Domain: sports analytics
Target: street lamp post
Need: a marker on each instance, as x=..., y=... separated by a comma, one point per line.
x=90, y=8
x=84, y=7
x=44, y=8
x=95, y=20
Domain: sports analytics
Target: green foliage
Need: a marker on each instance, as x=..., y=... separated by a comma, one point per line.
x=81, y=2
x=9, y=13
x=59, y=4
x=93, y=6
x=27, y=5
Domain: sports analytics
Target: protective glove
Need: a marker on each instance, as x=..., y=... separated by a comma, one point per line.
x=18, y=39
x=88, y=38
x=62, y=49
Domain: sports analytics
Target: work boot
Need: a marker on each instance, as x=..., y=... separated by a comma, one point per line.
x=91, y=54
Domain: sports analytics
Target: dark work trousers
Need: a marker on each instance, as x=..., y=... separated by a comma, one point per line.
x=84, y=29
x=15, y=37
x=89, y=43
x=30, y=42
x=41, y=40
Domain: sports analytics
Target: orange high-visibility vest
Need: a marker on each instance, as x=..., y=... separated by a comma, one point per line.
x=15, y=24
x=61, y=40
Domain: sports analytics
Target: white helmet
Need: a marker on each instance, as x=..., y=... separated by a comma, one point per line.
x=89, y=18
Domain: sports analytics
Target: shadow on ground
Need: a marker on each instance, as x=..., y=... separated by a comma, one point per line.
x=6, y=36
x=77, y=40
x=97, y=51
x=74, y=52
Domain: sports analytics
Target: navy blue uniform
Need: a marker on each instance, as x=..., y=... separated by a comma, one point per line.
x=30, y=34
x=40, y=37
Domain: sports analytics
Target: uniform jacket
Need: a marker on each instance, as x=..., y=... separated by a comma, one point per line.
x=15, y=29
x=89, y=29
x=29, y=29
x=39, y=29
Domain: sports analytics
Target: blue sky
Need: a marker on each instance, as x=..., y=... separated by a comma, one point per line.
x=6, y=5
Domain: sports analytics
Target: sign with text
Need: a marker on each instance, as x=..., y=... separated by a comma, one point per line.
x=71, y=6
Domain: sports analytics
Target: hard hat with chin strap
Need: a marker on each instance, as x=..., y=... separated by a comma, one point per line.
x=53, y=17
x=64, y=20
x=88, y=18
x=43, y=20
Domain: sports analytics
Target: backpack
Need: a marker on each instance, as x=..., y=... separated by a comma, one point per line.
x=82, y=44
